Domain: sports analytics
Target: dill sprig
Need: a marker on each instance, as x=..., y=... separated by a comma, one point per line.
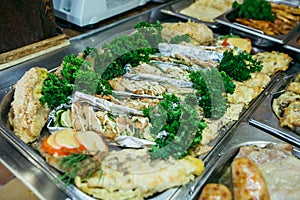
x=74, y=165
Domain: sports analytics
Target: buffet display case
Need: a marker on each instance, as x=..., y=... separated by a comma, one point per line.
x=257, y=124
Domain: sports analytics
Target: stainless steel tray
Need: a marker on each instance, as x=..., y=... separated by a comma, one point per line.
x=255, y=34
x=175, y=8
x=31, y=153
x=244, y=135
x=24, y=161
x=263, y=115
x=293, y=44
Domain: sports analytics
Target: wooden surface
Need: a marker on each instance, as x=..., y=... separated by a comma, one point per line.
x=5, y=175
x=16, y=190
x=24, y=22
x=63, y=29
x=25, y=53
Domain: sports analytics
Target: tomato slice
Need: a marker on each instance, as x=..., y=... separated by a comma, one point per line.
x=242, y=43
x=225, y=42
x=62, y=151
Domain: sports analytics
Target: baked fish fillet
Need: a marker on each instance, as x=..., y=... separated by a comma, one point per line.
x=131, y=174
x=27, y=115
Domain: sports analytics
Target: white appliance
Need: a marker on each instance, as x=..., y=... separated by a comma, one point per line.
x=87, y=12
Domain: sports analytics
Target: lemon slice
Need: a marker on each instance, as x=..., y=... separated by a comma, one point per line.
x=92, y=141
x=242, y=43
x=66, y=138
x=65, y=119
x=51, y=141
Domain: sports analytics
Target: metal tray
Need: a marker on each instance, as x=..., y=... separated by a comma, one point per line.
x=33, y=155
x=293, y=44
x=175, y=8
x=258, y=37
x=263, y=115
x=244, y=135
x=25, y=162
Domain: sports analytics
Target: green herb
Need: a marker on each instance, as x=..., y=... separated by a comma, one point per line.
x=255, y=9
x=222, y=37
x=122, y=50
x=151, y=32
x=71, y=65
x=89, y=82
x=77, y=75
x=148, y=25
x=55, y=91
x=87, y=51
x=180, y=38
x=81, y=165
x=211, y=86
x=128, y=49
x=165, y=116
x=228, y=84
x=180, y=121
x=239, y=65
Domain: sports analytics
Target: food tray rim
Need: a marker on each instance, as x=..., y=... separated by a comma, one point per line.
x=263, y=111
x=176, y=13
x=292, y=43
x=281, y=39
x=230, y=147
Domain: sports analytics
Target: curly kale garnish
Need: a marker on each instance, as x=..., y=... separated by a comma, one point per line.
x=151, y=32
x=89, y=82
x=71, y=65
x=227, y=81
x=82, y=78
x=239, y=65
x=122, y=50
x=148, y=25
x=55, y=91
x=176, y=126
x=255, y=9
x=211, y=86
x=88, y=51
